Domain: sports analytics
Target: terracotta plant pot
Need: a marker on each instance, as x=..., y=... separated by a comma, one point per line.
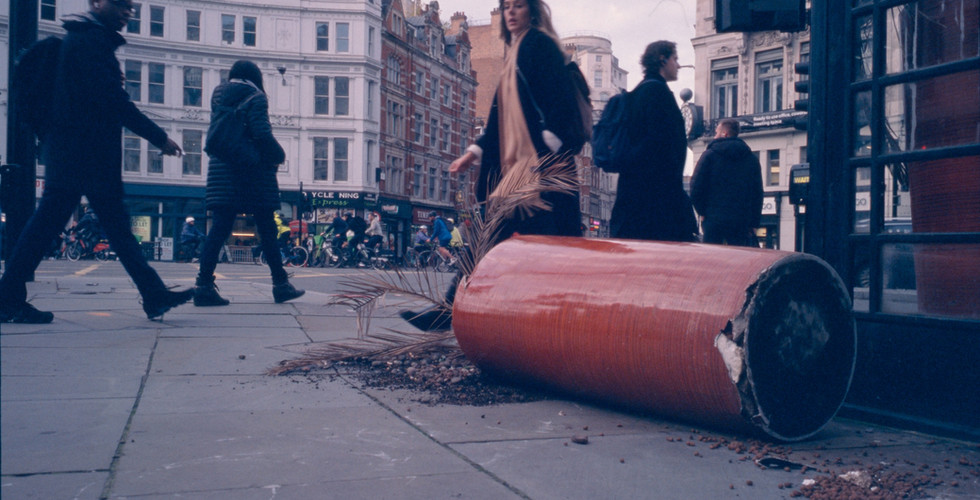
x=735, y=338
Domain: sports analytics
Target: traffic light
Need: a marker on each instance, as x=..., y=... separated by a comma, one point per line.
x=802, y=86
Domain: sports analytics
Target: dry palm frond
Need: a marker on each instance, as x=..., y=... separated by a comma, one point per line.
x=377, y=347
x=518, y=196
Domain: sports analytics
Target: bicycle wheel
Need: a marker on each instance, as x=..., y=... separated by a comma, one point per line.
x=411, y=258
x=102, y=255
x=74, y=251
x=298, y=256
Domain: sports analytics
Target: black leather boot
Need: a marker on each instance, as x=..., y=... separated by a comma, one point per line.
x=435, y=318
x=284, y=291
x=206, y=293
x=159, y=302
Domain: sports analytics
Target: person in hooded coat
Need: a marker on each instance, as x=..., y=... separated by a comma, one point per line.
x=726, y=189
x=234, y=187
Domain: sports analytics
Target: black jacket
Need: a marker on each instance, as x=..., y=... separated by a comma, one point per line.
x=727, y=184
x=545, y=82
x=650, y=200
x=90, y=107
x=246, y=188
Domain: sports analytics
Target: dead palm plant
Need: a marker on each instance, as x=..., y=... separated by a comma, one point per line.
x=518, y=195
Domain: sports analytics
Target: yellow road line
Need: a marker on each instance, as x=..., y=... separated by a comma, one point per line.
x=87, y=270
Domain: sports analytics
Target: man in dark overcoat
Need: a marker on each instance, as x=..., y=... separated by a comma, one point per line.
x=727, y=189
x=82, y=148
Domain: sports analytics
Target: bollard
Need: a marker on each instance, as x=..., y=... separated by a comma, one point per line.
x=742, y=339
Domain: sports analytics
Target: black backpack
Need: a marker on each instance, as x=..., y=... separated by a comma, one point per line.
x=228, y=137
x=611, y=147
x=34, y=75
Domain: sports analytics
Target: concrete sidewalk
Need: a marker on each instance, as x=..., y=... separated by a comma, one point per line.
x=103, y=403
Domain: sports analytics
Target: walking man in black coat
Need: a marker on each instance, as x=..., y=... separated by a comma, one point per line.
x=727, y=189
x=83, y=151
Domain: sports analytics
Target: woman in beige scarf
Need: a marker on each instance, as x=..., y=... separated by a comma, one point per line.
x=531, y=125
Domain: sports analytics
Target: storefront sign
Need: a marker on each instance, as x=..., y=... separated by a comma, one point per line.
x=140, y=226
x=337, y=199
x=769, y=206
x=768, y=120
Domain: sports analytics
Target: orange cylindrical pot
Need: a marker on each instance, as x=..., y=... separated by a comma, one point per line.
x=738, y=338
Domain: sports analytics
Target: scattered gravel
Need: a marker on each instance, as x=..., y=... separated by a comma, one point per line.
x=434, y=378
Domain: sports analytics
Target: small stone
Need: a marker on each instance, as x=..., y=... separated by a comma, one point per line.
x=241, y=356
x=580, y=439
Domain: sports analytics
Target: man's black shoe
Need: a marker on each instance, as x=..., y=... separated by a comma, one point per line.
x=432, y=319
x=154, y=305
x=24, y=313
x=285, y=291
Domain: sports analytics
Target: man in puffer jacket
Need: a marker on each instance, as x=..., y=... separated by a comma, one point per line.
x=726, y=189
x=82, y=149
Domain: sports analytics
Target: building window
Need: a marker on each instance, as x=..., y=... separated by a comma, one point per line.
x=370, y=51
x=431, y=184
x=248, y=31
x=193, y=26
x=322, y=37
x=134, y=80
x=192, y=152
x=343, y=37
x=156, y=21
x=597, y=78
x=227, y=28
x=433, y=88
x=396, y=120
x=131, y=151
x=772, y=168
x=769, y=81
x=134, y=21
x=394, y=70
x=724, y=88
x=419, y=82
x=444, y=143
x=341, y=90
x=154, y=164
x=155, y=82
x=192, y=86
x=418, y=181
x=223, y=75
x=417, y=122
x=444, y=186
x=340, y=160
x=321, y=95
x=433, y=130
x=446, y=94
x=48, y=10
x=371, y=89
x=320, y=158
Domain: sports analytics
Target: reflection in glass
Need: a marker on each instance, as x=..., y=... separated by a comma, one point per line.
x=862, y=200
x=944, y=195
x=918, y=34
x=931, y=279
x=898, y=202
x=861, y=126
x=938, y=112
x=861, y=276
x=863, y=34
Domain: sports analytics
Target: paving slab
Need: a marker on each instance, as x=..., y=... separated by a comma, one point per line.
x=244, y=393
x=62, y=435
x=74, y=485
x=219, y=356
x=174, y=453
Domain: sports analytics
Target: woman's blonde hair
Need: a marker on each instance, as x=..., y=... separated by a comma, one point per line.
x=540, y=19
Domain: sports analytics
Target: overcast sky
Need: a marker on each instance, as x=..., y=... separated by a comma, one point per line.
x=629, y=24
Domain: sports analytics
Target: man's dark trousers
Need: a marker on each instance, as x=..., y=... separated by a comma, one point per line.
x=57, y=204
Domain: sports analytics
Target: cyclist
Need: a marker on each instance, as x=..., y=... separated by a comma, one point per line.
x=422, y=239
x=442, y=236
x=191, y=239
x=375, y=233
